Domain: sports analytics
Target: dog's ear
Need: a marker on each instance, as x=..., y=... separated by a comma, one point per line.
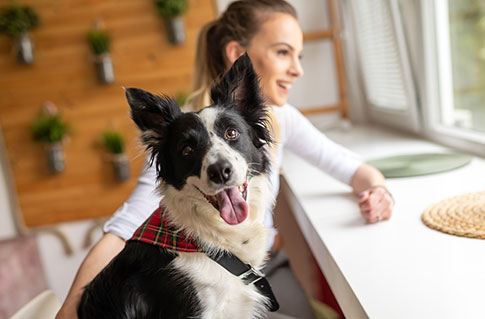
x=151, y=113
x=239, y=87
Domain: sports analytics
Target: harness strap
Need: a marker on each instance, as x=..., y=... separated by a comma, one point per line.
x=249, y=275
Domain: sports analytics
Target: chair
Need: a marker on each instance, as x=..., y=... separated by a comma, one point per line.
x=43, y=306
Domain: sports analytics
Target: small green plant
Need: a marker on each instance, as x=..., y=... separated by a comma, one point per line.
x=49, y=128
x=99, y=41
x=16, y=20
x=113, y=141
x=171, y=8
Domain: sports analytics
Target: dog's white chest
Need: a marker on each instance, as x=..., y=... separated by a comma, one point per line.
x=222, y=294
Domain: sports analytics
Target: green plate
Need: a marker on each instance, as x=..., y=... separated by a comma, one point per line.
x=419, y=164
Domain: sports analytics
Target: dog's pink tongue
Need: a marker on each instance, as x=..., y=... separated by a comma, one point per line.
x=232, y=206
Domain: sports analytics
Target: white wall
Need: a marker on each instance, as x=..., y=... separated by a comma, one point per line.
x=7, y=225
x=60, y=268
x=318, y=86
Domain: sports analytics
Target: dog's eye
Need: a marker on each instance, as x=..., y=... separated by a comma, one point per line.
x=231, y=134
x=187, y=151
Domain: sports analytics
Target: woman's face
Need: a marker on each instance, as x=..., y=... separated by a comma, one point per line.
x=275, y=52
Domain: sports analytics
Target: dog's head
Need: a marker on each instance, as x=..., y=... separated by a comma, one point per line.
x=214, y=152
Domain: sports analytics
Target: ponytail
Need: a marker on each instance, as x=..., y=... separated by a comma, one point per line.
x=203, y=76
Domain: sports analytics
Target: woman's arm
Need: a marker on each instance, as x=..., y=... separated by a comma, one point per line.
x=138, y=207
x=375, y=201
x=98, y=257
x=301, y=137
x=367, y=182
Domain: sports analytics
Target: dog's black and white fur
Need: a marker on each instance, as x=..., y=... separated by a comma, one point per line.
x=219, y=150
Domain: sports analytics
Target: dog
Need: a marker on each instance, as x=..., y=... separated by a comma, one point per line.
x=213, y=168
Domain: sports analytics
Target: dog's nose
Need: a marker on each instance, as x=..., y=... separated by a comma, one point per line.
x=220, y=172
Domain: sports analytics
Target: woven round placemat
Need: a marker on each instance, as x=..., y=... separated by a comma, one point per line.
x=462, y=215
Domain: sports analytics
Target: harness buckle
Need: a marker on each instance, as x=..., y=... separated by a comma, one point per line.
x=258, y=275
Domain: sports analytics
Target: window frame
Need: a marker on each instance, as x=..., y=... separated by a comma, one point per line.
x=438, y=87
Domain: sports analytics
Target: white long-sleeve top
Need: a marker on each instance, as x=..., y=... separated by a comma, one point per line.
x=296, y=134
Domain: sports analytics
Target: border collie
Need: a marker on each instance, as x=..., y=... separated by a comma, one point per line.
x=199, y=255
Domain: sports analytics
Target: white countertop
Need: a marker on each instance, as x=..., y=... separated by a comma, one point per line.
x=394, y=269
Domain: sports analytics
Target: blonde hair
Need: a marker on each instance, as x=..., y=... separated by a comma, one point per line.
x=240, y=22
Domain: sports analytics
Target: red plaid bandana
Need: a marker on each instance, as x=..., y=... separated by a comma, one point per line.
x=156, y=230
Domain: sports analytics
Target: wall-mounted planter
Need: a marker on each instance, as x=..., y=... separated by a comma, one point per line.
x=104, y=69
x=99, y=41
x=55, y=157
x=114, y=143
x=16, y=21
x=175, y=29
x=24, y=49
x=51, y=130
x=121, y=166
x=171, y=12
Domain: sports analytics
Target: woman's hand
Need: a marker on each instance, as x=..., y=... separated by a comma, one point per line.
x=375, y=201
x=376, y=204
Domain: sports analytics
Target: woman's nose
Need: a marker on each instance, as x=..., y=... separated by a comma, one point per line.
x=296, y=69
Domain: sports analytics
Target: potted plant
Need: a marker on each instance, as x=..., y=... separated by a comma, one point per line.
x=171, y=12
x=50, y=129
x=16, y=21
x=99, y=41
x=113, y=141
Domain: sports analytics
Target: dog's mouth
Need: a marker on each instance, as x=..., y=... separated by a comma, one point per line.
x=231, y=203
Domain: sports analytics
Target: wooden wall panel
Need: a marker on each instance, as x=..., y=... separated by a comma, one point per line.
x=64, y=74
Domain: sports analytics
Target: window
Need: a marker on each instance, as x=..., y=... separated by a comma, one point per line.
x=461, y=32
x=454, y=44
x=384, y=62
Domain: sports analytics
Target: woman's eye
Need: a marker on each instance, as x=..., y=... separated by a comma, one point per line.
x=231, y=134
x=187, y=151
x=283, y=52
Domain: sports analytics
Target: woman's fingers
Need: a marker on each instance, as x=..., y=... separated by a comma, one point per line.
x=376, y=204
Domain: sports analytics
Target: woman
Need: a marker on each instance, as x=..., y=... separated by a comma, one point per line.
x=268, y=30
